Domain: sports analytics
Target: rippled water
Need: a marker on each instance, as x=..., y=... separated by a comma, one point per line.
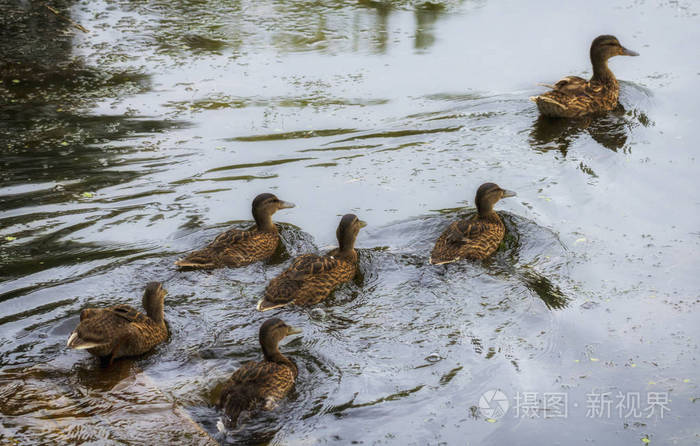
x=124, y=147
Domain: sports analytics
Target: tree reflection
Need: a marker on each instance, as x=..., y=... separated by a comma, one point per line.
x=426, y=16
x=53, y=148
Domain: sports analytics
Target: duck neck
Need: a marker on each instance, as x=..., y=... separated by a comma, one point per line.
x=484, y=209
x=263, y=221
x=601, y=72
x=154, y=309
x=346, y=246
x=273, y=354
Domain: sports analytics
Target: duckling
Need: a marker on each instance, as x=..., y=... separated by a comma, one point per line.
x=311, y=278
x=110, y=333
x=573, y=97
x=477, y=237
x=236, y=247
x=261, y=384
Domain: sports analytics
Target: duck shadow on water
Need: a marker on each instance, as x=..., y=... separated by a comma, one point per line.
x=610, y=130
x=98, y=375
x=507, y=260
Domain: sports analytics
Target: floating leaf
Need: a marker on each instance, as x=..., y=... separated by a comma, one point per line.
x=9, y=238
x=646, y=440
x=633, y=365
x=87, y=195
x=595, y=359
x=686, y=380
x=63, y=143
x=577, y=360
x=15, y=81
x=491, y=420
x=580, y=240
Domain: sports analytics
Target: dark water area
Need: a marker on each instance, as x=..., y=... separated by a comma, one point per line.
x=123, y=147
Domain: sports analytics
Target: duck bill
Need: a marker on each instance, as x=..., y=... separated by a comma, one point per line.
x=628, y=52
x=508, y=193
x=362, y=223
x=293, y=330
x=286, y=205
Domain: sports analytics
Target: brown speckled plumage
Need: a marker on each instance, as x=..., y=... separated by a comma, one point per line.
x=261, y=385
x=574, y=97
x=121, y=330
x=475, y=238
x=237, y=247
x=311, y=278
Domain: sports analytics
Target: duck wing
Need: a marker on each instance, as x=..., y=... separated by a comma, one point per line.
x=230, y=237
x=309, y=265
x=99, y=327
x=311, y=275
x=260, y=374
x=572, y=85
x=462, y=231
x=128, y=313
x=570, y=97
x=455, y=241
x=227, y=248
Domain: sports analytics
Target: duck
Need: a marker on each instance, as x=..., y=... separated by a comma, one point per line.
x=121, y=330
x=236, y=247
x=311, y=278
x=574, y=97
x=261, y=384
x=475, y=238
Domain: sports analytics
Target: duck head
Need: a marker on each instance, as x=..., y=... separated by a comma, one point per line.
x=272, y=331
x=264, y=206
x=488, y=194
x=605, y=47
x=152, y=300
x=347, y=231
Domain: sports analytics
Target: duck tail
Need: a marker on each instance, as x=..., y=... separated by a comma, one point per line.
x=549, y=106
x=236, y=401
x=184, y=263
x=265, y=305
x=76, y=342
x=551, y=101
x=441, y=261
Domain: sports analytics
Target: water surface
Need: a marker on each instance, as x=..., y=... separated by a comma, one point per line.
x=124, y=147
